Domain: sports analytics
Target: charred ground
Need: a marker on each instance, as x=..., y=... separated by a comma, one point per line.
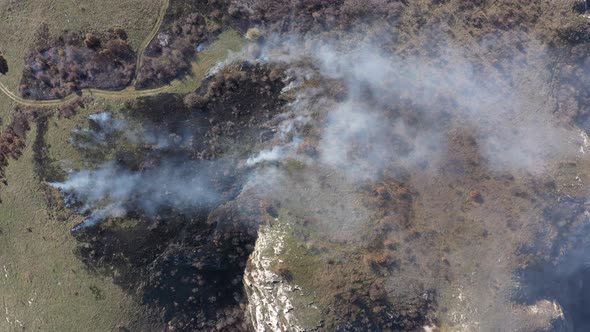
x=435, y=227
x=188, y=269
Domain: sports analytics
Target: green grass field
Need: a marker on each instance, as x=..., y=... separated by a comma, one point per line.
x=19, y=21
x=43, y=286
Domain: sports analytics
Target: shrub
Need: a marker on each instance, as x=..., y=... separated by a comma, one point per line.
x=91, y=41
x=282, y=270
x=194, y=100
x=74, y=61
x=3, y=65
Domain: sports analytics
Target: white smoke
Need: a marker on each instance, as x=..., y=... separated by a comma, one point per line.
x=515, y=126
x=112, y=191
x=276, y=153
x=105, y=127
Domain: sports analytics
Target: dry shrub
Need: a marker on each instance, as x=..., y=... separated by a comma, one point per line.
x=3, y=65
x=72, y=108
x=195, y=101
x=57, y=68
x=383, y=258
x=283, y=270
x=13, y=140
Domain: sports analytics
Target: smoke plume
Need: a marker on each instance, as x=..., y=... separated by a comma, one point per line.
x=113, y=190
x=517, y=130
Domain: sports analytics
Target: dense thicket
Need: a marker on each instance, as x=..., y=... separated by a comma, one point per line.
x=170, y=53
x=56, y=68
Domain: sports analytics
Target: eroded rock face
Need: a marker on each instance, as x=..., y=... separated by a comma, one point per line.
x=271, y=297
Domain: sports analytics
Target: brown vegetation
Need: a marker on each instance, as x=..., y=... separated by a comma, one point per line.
x=315, y=15
x=13, y=140
x=70, y=109
x=56, y=68
x=194, y=100
x=170, y=53
x=406, y=26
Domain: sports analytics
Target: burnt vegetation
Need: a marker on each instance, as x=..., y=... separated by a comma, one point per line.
x=186, y=268
x=188, y=28
x=57, y=67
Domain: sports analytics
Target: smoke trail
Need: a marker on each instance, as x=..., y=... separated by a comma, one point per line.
x=112, y=191
x=104, y=128
x=515, y=125
x=277, y=153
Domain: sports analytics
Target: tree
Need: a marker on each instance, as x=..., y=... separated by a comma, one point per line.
x=120, y=49
x=3, y=65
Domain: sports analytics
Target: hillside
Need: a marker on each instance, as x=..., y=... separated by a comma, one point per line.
x=309, y=165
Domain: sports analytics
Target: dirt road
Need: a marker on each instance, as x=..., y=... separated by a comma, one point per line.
x=129, y=92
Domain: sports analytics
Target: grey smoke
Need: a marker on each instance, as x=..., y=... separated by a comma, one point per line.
x=514, y=122
x=106, y=127
x=113, y=191
x=361, y=139
x=359, y=142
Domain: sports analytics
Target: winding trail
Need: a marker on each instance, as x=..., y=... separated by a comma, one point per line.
x=129, y=92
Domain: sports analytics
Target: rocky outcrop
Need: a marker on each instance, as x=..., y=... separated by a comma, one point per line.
x=269, y=297
x=274, y=303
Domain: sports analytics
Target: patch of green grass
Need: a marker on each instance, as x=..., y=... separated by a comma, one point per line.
x=59, y=132
x=19, y=21
x=43, y=285
x=302, y=262
x=298, y=258
x=6, y=106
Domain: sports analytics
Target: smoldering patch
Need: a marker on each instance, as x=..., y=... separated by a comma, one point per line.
x=168, y=180
x=111, y=191
x=451, y=90
x=104, y=129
